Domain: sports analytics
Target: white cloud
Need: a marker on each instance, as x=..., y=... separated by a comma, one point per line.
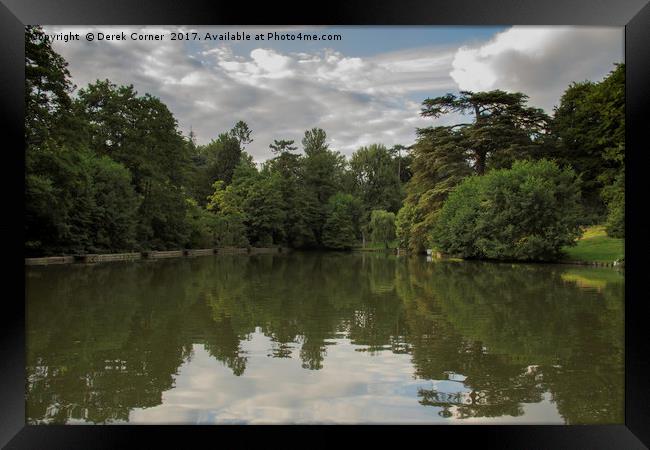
x=209, y=86
x=352, y=387
x=539, y=61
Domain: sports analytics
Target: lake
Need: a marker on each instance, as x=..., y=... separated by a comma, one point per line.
x=324, y=338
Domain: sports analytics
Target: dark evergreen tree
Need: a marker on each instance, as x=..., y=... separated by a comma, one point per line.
x=339, y=229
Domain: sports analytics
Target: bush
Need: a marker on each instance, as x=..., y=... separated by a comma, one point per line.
x=528, y=212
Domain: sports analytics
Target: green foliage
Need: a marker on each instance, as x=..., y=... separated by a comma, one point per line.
x=115, y=206
x=504, y=127
x=47, y=90
x=77, y=202
x=223, y=156
x=298, y=203
x=282, y=147
x=404, y=224
x=254, y=199
x=242, y=133
x=439, y=164
x=59, y=200
x=202, y=226
x=230, y=231
x=110, y=171
x=375, y=178
x=323, y=173
x=314, y=141
x=162, y=215
x=528, y=212
x=382, y=226
x=589, y=124
x=264, y=211
x=339, y=231
x=404, y=159
x=614, y=196
x=141, y=134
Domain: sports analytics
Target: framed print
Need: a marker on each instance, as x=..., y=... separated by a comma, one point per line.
x=411, y=215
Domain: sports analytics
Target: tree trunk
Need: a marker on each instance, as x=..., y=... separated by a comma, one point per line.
x=480, y=162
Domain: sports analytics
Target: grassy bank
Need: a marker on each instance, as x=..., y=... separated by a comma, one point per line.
x=596, y=246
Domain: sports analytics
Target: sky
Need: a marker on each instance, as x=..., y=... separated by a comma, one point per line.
x=367, y=87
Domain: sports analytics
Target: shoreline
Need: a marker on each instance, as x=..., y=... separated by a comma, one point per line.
x=91, y=258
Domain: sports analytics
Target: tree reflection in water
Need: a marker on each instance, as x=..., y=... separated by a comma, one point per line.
x=105, y=339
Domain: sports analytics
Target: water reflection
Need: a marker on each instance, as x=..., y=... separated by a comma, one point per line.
x=323, y=338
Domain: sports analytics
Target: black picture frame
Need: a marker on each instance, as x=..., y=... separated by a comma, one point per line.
x=633, y=14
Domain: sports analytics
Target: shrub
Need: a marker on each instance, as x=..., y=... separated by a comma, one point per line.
x=528, y=212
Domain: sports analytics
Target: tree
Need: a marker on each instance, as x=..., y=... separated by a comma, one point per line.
x=323, y=174
x=223, y=155
x=614, y=197
x=115, y=206
x=611, y=94
x=254, y=198
x=162, y=216
x=263, y=207
x=229, y=228
x=382, y=226
x=314, y=141
x=504, y=128
x=375, y=178
x=589, y=124
x=339, y=228
x=439, y=164
x=280, y=147
x=242, y=133
x=214, y=161
x=202, y=226
x=528, y=212
x=404, y=223
x=47, y=89
x=403, y=157
x=141, y=133
x=68, y=189
x=299, y=206
x=137, y=131
x=59, y=200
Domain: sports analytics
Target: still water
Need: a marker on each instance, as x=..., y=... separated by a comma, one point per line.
x=324, y=338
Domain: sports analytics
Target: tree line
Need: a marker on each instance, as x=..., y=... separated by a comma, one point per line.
x=108, y=170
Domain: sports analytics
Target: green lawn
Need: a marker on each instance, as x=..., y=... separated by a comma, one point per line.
x=596, y=246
